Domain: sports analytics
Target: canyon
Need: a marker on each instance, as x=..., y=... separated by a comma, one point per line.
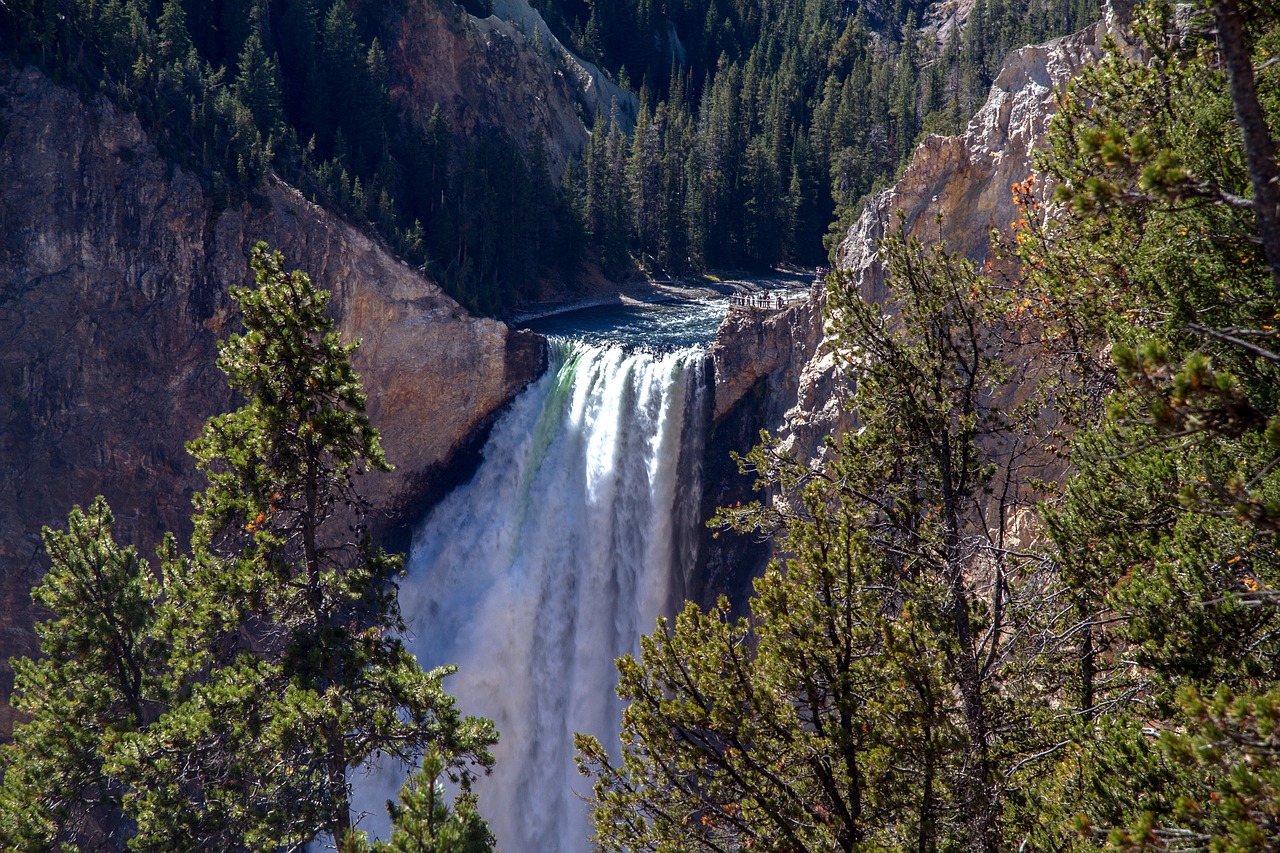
x=115, y=268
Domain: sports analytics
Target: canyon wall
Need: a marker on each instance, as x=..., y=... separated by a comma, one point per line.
x=756, y=361
x=493, y=72
x=778, y=371
x=956, y=189
x=114, y=276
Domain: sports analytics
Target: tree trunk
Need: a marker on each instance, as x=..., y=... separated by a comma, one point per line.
x=1086, y=670
x=978, y=799
x=978, y=796
x=1258, y=147
x=927, y=842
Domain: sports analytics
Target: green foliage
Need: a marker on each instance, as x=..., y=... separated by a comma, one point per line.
x=784, y=116
x=1187, y=455
x=887, y=685
x=220, y=706
x=100, y=678
x=778, y=732
x=304, y=90
x=1166, y=533
x=423, y=822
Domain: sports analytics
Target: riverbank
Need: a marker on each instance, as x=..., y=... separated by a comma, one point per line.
x=671, y=290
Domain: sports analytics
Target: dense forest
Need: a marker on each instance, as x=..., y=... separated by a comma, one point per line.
x=1031, y=602
x=761, y=125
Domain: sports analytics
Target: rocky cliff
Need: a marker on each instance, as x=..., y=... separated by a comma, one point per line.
x=495, y=72
x=776, y=372
x=956, y=189
x=966, y=179
x=756, y=359
x=114, y=275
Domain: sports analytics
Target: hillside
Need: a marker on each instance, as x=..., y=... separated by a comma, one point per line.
x=481, y=146
x=114, y=277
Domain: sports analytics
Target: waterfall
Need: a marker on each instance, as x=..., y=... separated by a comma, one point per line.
x=578, y=529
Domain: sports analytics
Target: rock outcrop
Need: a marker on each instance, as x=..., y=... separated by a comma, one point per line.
x=493, y=72
x=957, y=189
x=755, y=360
x=966, y=180
x=756, y=345
x=114, y=275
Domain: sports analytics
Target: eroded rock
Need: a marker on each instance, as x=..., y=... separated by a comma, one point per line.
x=956, y=190
x=493, y=72
x=114, y=276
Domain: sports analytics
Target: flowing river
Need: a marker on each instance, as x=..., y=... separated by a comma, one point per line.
x=578, y=529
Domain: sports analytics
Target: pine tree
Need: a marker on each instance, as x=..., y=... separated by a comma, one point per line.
x=423, y=822
x=645, y=188
x=302, y=668
x=764, y=211
x=220, y=704
x=258, y=87
x=99, y=679
x=1167, y=530
x=175, y=39
x=903, y=108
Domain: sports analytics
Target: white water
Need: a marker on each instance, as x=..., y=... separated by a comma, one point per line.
x=577, y=530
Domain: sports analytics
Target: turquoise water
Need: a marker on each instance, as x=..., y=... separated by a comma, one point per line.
x=661, y=328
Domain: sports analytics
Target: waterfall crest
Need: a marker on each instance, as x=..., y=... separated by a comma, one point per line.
x=577, y=530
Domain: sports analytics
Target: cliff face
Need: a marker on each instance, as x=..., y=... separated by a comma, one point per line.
x=756, y=361
x=754, y=346
x=491, y=72
x=114, y=275
x=967, y=181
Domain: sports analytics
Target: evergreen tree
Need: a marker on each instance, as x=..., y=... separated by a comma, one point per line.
x=175, y=38
x=309, y=97
x=222, y=708
x=1167, y=531
x=341, y=65
x=903, y=109
x=100, y=678
x=646, y=190
x=423, y=822
x=765, y=224
x=258, y=87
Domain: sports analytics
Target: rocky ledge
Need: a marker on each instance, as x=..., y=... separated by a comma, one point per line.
x=757, y=345
x=114, y=275
x=957, y=189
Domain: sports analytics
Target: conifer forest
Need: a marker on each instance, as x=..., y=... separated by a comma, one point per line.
x=1026, y=597
x=759, y=124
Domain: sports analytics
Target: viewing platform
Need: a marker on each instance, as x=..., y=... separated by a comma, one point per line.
x=758, y=301
x=772, y=300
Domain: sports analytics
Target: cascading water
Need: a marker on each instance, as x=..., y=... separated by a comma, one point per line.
x=578, y=529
